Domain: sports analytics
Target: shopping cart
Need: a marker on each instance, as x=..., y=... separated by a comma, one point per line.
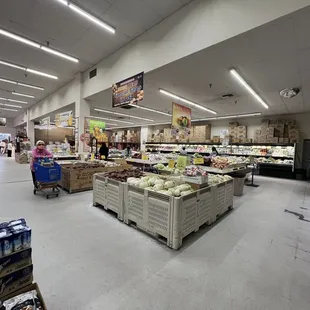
x=47, y=173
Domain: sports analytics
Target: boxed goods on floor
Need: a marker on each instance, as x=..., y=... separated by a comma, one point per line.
x=15, y=256
x=21, y=158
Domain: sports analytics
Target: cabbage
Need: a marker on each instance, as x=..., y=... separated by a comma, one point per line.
x=145, y=179
x=149, y=188
x=143, y=184
x=186, y=192
x=160, y=181
x=184, y=187
x=158, y=187
x=169, y=184
x=131, y=181
x=177, y=192
x=152, y=181
x=172, y=191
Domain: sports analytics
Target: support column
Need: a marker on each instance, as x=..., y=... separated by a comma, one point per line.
x=143, y=137
x=82, y=110
x=30, y=130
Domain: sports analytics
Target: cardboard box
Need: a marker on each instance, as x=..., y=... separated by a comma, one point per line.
x=243, y=140
x=265, y=122
x=284, y=140
x=202, y=179
x=294, y=140
x=272, y=122
x=275, y=140
x=270, y=131
x=234, y=140
x=14, y=262
x=281, y=121
x=15, y=281
x=291, y=122
x=31, y=287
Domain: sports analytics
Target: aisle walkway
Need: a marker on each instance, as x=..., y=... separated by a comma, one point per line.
x=257, y=258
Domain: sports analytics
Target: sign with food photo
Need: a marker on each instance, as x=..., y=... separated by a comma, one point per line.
x=129, y=91
x=64, y=119
x=97, y=130
x=181, y=117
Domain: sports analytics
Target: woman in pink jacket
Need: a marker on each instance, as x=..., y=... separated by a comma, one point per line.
x=38, y=152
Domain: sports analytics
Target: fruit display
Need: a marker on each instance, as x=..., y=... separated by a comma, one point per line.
x=220, y=162
x=195, y=171
x=124, y=175
x=160, y=185
x=95, y=164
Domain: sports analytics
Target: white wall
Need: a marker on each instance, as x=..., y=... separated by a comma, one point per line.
x=66, y=95
x=195, y=27
x=20, y=119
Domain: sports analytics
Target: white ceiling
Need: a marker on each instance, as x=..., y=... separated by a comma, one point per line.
x=48, y=20
x=271, y=57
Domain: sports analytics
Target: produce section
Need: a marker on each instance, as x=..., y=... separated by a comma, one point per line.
x=168, y=208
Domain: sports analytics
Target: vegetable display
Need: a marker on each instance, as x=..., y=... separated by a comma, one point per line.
x=214, y=179
x=124, y=175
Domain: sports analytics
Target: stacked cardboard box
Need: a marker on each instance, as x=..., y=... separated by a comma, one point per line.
x=200, y=133
x=242, y=134
x=15, y=256
x=233, y=130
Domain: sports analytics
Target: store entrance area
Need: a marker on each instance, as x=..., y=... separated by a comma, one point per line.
x=255, y=258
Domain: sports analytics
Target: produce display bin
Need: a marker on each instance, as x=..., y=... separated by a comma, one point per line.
x=229, y=195
x=109, y=193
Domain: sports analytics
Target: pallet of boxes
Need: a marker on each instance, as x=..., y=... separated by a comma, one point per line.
x=277, y=131
x=237, y=133
x=16, y=270
x=201, y=133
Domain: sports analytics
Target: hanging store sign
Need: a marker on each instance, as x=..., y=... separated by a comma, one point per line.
x=64, y=119
x=129, y=91
x=2, y=121
x=181, y=119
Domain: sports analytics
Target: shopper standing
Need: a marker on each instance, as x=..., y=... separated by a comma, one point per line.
x=10, y=148
x=38, y=152
x=214, y=151
x=104, y=151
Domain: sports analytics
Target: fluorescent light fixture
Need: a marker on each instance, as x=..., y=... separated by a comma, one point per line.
x=13, y=100
x=19, y=38
x=87, y=15
x=149, y=109
x=9, y=64
x=62, y=55
x=30, y=86
x=196, y=105
x=8, y=81
x=37, y=45
x=9, y=109
x=22, y=95
x=227, y=117
x=240, y=79
x=122, y=114
x=10, y=105
x=91, y=17
x=112, y=119
x=21, y=84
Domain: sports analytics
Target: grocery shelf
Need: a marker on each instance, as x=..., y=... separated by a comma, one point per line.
x=233, y=144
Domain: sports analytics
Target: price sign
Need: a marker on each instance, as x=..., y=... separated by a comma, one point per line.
x=198, y=161
x=145, y=157
x=171, y=163
x=182, y=162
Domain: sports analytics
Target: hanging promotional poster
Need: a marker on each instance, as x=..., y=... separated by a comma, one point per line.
x=97, y=130
x=64, y=119
x=129, y=91
x=181, y=119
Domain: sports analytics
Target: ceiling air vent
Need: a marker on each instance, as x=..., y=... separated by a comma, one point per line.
x=227, y=96
x=92, y=73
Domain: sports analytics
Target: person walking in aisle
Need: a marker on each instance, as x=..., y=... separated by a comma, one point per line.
x=38, y=152
x=104, y=151
x=10, y=148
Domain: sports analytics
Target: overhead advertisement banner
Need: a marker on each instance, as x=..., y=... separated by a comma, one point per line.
x=2, y=121
x=64, y=119
x=181, y=119
x=97, y=130
x=45, y=121
x=129, y=91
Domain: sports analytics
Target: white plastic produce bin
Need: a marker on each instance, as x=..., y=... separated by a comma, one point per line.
x=110, y=194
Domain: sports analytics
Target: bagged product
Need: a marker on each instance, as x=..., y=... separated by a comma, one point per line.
x=26, y=301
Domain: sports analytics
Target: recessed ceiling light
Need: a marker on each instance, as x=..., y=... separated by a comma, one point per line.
x=87, y=15
x=149, y=109
x=122, y=114
x=240, y=79
x=37, y=45
x=21, y=84
x=13, y=100
x=196, y=105
x=227, y=117
x=9, y=64
x=288, y=93
x=22, y=95
x=112, y=119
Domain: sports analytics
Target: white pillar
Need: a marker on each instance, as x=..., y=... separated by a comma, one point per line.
x=30, y=130
x=143, y=137
x=82, y=110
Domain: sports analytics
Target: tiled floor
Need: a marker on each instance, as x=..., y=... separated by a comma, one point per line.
x=256, y=258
